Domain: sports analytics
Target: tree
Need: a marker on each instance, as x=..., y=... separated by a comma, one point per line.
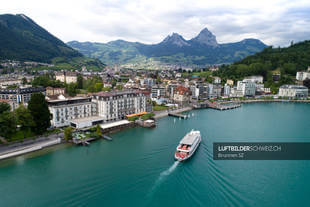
x=45, y=81
x=7, y=124
x=119, y=87
x=24, y=81
x=114, y=81
x=98, y=87
x=106, y=89
x=68, y=133
x=4, y=107
x=39, y=110
x=158, y=80
x=24, y=118
x=307, y=83
x=79, y=82
x=98, y=131
x=71, y=89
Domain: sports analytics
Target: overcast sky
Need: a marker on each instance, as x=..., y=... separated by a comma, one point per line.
x=275, y=22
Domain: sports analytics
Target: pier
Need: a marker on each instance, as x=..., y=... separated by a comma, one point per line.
x=83, y=141
x=182, y=116
x=106, y=137
x=224, y=107
x=88, y=140
x=217, y=106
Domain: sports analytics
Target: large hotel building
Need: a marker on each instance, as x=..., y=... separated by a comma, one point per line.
x=100, y=108
x=116, y=105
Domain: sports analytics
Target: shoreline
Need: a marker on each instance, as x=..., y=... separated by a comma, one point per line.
x=265, y=100
x=35, y=147
x=22, y=150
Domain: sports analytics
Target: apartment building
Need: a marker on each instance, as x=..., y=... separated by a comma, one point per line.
x=116, y=105
x=303, y=75
x=214, y=90
x=255, y=79
x=50, y=91
x=68, y=111
x=66, y=76
x=293, y=91
x=182, y=94
x=247, y=88
x=158, y=91
x=19, y=95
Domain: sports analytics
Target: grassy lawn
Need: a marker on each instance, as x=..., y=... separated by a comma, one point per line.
x=160, y=108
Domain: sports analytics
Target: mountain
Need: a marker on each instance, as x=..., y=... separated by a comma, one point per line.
x=173, y=50
x=205, y=37
x=22, y=39
x=175, y=39
x=285, y=61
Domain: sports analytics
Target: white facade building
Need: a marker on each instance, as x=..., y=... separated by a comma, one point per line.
x=66, y=77
x=214, y=91
x=64, y=111
x=247, y=88
x=235, y=93
x=158, y=91
x=303, y=75
x=147, y=82
x=226, y=90
x=255, y=79
x=217, y=80
x=20, y=95
x=116, y=105
x=293, y=91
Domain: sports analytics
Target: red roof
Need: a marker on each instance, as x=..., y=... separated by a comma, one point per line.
x=181, y=90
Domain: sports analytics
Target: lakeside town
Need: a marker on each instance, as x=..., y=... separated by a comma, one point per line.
x=121, y=98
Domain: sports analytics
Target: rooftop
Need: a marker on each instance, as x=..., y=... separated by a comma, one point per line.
x=293, y=87
x=65, y=98
x=114, y=124
x=190, y=138
x=87, y=119
x=117, y=93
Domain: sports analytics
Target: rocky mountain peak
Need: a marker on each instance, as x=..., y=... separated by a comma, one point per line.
x=175, y=39
x=206, y=37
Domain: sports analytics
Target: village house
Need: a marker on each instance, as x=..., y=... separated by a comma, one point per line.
x=182, y=94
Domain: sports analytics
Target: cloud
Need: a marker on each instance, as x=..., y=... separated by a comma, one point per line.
x=275, y=22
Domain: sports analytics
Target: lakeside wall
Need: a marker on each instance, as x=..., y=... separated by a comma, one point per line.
x=28, y=149
x=265, y=100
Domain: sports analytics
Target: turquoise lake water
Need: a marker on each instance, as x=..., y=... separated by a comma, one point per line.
x=137, y=168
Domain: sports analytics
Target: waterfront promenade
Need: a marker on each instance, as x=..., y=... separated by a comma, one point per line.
x=29, y=145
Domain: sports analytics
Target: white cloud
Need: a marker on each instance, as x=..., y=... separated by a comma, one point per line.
x=275, y=22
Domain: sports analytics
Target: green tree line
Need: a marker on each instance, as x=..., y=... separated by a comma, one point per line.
x=25, y=121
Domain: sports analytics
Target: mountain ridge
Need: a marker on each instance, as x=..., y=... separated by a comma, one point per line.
x=22, y=39
x=174, y=49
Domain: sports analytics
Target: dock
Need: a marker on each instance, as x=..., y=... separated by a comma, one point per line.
x=224, y=107
x=182, y=116
x=106, y=137
x=83, y=141
x=217, y=106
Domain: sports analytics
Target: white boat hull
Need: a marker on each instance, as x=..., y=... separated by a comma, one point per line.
x=190, y=154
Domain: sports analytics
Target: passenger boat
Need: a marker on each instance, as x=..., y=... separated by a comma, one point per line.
x=188, y=145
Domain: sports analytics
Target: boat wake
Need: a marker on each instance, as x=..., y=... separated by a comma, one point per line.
x=169, y=170
x=164, y=175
